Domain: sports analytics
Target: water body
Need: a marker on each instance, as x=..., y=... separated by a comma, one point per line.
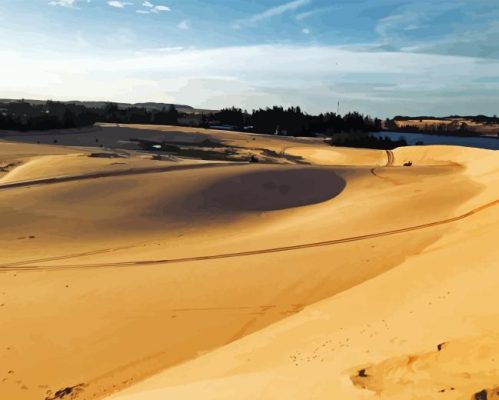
x=412, y=138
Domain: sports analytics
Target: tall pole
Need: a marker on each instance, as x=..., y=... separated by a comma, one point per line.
x=338, y=109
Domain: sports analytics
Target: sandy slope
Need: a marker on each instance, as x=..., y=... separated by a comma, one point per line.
x=110, y=280
x=390, y=327
x=426, y=329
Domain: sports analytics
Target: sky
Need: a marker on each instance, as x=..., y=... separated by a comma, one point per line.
x=380, y=57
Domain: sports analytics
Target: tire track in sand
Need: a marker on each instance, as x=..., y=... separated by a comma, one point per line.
x=25, y=265
x=390, y=159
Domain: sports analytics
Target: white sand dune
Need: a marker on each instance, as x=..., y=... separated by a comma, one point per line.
x=223, y=281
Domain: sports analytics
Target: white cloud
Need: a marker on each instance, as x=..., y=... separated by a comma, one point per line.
x=184, y=25
x=306, y=31
x=118, y=3
x=63, y=3
x=67, y=3
x=151, y=8
x=315, y=77
x=160, y=9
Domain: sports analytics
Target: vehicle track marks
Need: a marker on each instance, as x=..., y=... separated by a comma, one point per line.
x=25, y=266
x=390, y=159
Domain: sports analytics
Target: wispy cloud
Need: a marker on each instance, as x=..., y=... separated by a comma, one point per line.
x=118, y=3
x=316, y=11
x=395, y=23
x=469, y=42
x=443, y=27
x=307, y=14
x=272, y=12
x=67, y=3
x=184, y=25
x=415, y=17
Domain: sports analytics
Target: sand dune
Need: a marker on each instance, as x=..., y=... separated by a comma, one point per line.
x=202, y=279
x=445, y=294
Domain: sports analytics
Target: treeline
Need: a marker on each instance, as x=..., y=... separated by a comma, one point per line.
x=291, y=121
x=24, y=116
x=351, y=129
x=450, y=126
x=481, y=119
x=365, y=140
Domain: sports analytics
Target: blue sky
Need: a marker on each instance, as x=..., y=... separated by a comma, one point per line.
x=383, y=57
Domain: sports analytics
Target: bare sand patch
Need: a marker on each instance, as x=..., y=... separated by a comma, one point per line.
x=90, y=304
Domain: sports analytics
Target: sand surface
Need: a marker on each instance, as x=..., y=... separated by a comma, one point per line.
x=319, y=273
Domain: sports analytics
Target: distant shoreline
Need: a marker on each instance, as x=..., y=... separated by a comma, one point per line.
x=450, y=134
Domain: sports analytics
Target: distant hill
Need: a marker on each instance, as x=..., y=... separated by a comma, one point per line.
x=100, y=104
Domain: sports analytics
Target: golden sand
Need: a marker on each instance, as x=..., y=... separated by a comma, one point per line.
x=330, y=273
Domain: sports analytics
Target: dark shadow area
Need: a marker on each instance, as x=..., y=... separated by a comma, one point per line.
x=273, y=190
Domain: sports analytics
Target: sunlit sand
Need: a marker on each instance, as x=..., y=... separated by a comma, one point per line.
x=318, y=272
